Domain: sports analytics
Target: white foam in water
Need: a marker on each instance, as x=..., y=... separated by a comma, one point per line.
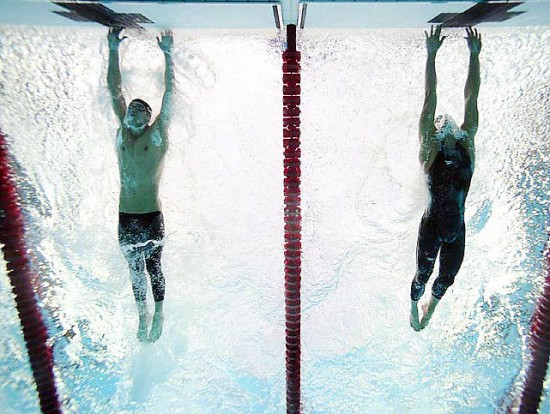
x=364, y=193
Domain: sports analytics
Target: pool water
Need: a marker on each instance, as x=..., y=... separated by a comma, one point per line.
x=363, y=194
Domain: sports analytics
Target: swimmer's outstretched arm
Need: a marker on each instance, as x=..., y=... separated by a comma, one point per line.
x=166, y=43
x=428, y=144
x=471, y=91
x=114, y=78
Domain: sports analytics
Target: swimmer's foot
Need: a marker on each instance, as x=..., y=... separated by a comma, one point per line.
x=426, y=316
x=143, y=326
x=415, y=323
x=428, y=311
x=156, y=327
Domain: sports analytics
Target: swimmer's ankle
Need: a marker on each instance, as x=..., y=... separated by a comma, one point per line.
x=433, y=303
x=158, y=307
x=142, y=308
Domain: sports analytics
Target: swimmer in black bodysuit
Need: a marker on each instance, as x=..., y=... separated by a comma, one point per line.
x=447, y=154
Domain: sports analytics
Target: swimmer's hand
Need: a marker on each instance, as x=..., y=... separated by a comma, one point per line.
x=166, y=41
x=114, y=37
x=433, y=40
x=474, y=40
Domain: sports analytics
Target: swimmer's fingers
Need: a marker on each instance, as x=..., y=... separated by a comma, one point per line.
x=479, y=41
x=473, y=39
x=472, y=33
x=434, y=39
x=165, y=33
x=438, y=36
x=115, y=31
x=114, y=37
x=469, y=35
x=166, y=40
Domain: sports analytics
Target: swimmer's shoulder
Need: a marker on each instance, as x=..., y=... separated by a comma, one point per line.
x=157, y=135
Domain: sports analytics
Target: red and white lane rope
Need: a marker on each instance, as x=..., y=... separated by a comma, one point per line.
x=539, y=346
x=293, y=218
x=21, y=279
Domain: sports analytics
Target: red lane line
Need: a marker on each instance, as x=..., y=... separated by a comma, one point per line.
x=539, y=345
x=292, y=220
x=21, y=280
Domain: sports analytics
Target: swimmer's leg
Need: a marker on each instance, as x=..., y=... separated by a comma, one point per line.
x=428, y=310
x=158, y=320
x=450, y=260
x=144, y=319
x=153, y=263
x=136, y=264
x=426, y=252
x=414, y=320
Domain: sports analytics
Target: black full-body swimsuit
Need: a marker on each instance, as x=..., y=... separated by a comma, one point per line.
x=442, y=226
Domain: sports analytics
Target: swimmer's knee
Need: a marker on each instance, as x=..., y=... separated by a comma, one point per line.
x=423, y=274
x=137, y=270
x=140, y=292
x=417, y=289
x=440, y=286
x=449, y=237
x=153, y=267
x=438, y=290
x=158, y=285
x=451, y=231
x=418, y=285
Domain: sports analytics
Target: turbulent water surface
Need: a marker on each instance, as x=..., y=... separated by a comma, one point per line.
x=363, y=196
